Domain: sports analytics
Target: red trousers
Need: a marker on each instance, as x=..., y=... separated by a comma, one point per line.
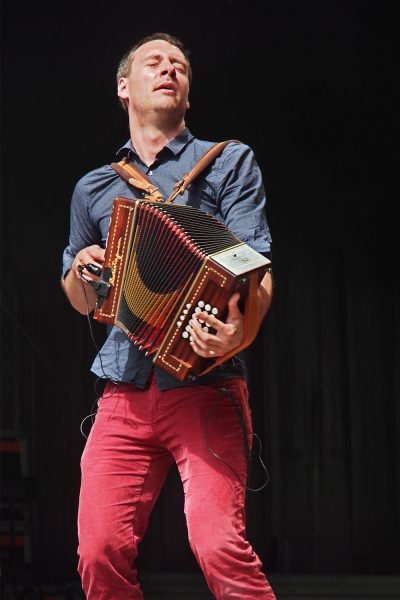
x=136, y=437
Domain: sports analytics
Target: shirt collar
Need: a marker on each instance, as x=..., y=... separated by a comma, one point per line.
x=175, y=146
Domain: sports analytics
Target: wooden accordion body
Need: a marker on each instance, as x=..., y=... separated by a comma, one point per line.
x=163, y=262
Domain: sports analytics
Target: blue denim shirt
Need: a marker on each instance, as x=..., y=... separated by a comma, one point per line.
x=231, y=189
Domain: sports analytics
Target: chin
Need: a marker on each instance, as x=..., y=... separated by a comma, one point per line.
x=170, y=107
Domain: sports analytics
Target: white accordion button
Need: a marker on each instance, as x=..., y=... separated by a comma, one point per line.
x=200, y=303
x=185, y=334
x=214, y=311
x=179, y=323
x=207, y=307
x=188, y=328
x=197, y=309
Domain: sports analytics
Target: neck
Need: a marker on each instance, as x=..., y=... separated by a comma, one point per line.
x=150, y=138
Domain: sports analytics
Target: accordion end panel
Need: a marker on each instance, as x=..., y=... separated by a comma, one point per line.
x=116, y=254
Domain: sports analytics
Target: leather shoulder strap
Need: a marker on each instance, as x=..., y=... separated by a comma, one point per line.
x=138, y=178
x=207, y=158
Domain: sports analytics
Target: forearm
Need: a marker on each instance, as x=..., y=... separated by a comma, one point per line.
x=265, y=295
x=253, y=323
x=80, y=294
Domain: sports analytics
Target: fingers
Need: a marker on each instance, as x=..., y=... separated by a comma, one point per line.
x=233, y=301
x=202, y=343
x=92, y=255
x=233, y=307
x=97, y=252
x=208, y=321
x=212, y=337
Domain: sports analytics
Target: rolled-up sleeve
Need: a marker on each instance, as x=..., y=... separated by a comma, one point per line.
x=82, y=233
x=241, y=197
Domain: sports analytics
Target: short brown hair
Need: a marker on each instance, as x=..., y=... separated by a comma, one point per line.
x=124, y=67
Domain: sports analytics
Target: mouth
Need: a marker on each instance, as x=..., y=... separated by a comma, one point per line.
x=166, y=87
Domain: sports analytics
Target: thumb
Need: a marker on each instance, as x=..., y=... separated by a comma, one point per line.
x=233, y=308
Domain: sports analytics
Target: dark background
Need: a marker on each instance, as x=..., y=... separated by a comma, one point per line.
x=312, y=87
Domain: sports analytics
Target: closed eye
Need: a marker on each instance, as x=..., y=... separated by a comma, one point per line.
x=180, y=67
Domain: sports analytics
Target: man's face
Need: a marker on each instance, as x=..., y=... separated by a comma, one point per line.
x=158, y=81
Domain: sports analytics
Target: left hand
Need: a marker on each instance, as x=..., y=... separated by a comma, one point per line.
x=228, y=335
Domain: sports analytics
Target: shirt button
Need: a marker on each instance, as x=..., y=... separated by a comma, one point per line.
x=150, y=172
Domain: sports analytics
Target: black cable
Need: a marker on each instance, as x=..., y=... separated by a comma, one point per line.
x=247, y=449
x=93, y=412
x=92, y=334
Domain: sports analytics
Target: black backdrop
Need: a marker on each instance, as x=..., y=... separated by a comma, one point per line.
x=311, y=86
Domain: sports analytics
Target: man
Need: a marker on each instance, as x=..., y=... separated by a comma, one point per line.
x=147, y=419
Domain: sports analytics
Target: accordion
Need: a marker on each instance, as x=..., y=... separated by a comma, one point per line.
x=163, y=263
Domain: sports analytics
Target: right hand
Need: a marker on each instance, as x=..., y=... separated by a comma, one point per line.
x=92, y=254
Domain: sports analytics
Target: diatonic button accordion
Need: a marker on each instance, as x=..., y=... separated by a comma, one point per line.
x=165, y=262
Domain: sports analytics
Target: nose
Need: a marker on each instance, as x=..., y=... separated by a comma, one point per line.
x=168, y=68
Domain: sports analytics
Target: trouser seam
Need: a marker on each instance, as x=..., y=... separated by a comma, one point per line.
x=134, y=518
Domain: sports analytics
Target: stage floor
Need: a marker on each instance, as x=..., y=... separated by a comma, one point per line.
x=184, y=586
x=287, y=587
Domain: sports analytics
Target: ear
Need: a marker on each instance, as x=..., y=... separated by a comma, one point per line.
x=123, y=89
